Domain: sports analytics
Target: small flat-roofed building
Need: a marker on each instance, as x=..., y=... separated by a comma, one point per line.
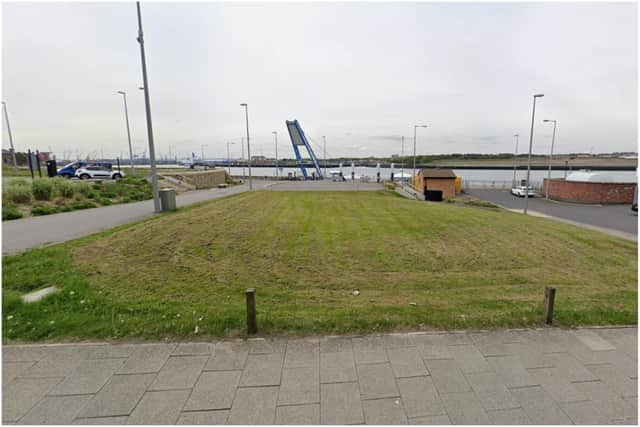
x=436, y=179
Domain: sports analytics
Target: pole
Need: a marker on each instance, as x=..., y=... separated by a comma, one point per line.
x=38, y=163
x=202, y=153
x=515, y=157
x=242, y=144
x=402, y=164
x=275, y=133
x=526, y=191
x=13, y=151
x=324, y=149
x=553, y=140
x=414, y=155
x=126, y=117
x=252, y=324
x=147, y=103
x=229, y=159
x=246, y=110
x=30, y=162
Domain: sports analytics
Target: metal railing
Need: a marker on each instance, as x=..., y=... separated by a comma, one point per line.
x=495, y=184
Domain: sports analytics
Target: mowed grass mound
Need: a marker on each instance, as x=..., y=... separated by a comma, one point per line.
x=414, y=264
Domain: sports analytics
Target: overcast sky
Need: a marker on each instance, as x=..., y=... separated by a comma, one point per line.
x=360, y=73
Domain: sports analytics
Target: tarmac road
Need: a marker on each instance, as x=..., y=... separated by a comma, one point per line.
x=613, y=217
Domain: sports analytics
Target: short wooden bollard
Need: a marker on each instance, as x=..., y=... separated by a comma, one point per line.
x=252, y=324
x=549, y=299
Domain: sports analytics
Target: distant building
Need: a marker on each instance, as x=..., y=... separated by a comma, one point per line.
x=436, y=179
x=591, y=187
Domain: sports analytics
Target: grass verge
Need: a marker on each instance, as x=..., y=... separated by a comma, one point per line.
x=415, y=265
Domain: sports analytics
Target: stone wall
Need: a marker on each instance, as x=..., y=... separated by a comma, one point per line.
x=589, y=192
x=201, y=179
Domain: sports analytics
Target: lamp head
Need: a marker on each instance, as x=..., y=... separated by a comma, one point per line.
x=243, y=105
x=121, y=92
x=539, y=95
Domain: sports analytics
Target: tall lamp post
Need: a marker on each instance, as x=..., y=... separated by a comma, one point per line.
x=324, y=150
x=202, y=151
x=147, y=103
x=402, y=164
x=246, y=110
x=553, y=140
x=229, y=157
x=126, y=117
x=275, y=133
x=13, y=151
x=415, y=127
x=515, y=158
x=244, y=176
x=533, y=116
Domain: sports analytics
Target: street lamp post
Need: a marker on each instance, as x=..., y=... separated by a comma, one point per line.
x=533, y=116
x=402, y=164
x=553, y=140
x=13, y=151
x=202, y=152
x=126, y=117
x=147, y=103
x=275, y=133
x=324, y=150
x=244, y=176
x=515, y=158
x=246, y=110
x=415, y=127
x=229, y=157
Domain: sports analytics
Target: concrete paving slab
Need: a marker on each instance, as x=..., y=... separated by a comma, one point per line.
x=369, y=350
x=115, y=351
x=491, y=392
x=299, y=386
x=21, y=394
x=302, y=354
x=55, y=410
x=607, y=401
x=419, y=397
x=193, y=349
x=335, y=344
x=340, y=404
x=447, y=377
x=204, y=417
x=406, y=362
x=584, y=413
x=227, y=357
x=101, y=421
x=622, y=384
x=264, y=346
x=57, y=362
x=159, y=407
x=469, y=358
x=179, y=372
x=437, y=420
x=377, y=381
x=298, y=414
x=556, y=384
x=254, y=405
x=262, y=370
x=570, y=367
x=509, y=417
x=88, y=377
x=214, y=390
x=20, y=353
x=384, y=412
x=119, y=396
x=539, y=406
x=337, y=367
x=511, y=371
x=398, y=340
x=464, y=408
x=11, y=370
x=592, y=340
x=433, y=346
x=147, y=359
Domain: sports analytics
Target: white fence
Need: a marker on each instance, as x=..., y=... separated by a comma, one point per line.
x=497, y=185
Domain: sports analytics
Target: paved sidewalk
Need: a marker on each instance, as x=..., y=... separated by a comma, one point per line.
x=22, y=234
x=542, y=376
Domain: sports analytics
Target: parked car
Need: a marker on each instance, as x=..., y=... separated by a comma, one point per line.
x=69, y=170
x=98, y=172
x=521, y=191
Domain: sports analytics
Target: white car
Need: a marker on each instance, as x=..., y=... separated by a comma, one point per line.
x=97, y=172
x=521, y=191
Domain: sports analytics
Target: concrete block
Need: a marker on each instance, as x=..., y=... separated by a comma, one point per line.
x=118, y=396
x=228, y=356
x=88, y=377
x=299, y=386
x=515, y=416
x=11, y=370
x=159, y=407
x=193, y=349
x=447, y=377
x=419, y=397
x=511, y=371
x=337, y=367
x=22, y=353
x=369, y=350
x=340, y=404
x=592, y=340
x=203, y=417
x=469, y=358
x=302, y=354
x=384, y=412
x=335, y=344
x=21, y=394
x=539, y=406
x=406, y=362
x=298, y=414
x=147, y=358
x=556, y=384
x=464, y=408
x=101, y=421
x=491, y=392
x=262, y=370
x=55, y=410
x=436, y=420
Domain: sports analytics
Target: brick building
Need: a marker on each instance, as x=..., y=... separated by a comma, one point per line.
x=586, y=187
x=436, y=179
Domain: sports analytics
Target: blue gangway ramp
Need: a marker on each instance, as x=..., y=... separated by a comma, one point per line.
x=299, y=140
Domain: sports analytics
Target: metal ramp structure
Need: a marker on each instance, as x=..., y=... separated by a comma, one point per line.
x=298, y=139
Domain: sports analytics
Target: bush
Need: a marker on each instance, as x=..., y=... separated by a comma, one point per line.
x=17, y=194
x=44, y=210
x=91, y=195
x=109, y=194
x=10, y=212
x=42, y=189
x=104, y=201
x=81, y=205
x=78, y=197
x=83, y=188
x=63, y=187
x=19, y=181
x=97, y=185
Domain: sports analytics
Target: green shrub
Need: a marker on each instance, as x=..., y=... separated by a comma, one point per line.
x=78, y=197
x=17, y=194
x=91, y=195
x=10, y=212
x=63, y=187
x=81, y=205
x=19, y=181
x=44, y=210
x=97, y=185
x=42, y=189
x=83, y=188
x=104, y=201
x=109, y=194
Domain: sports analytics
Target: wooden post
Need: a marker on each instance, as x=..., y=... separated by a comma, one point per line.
x=549, y=299
x=252, y=324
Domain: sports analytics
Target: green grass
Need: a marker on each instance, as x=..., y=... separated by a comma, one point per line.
x=463, y=267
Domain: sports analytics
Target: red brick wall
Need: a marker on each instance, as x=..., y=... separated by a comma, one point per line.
x=589, y=192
